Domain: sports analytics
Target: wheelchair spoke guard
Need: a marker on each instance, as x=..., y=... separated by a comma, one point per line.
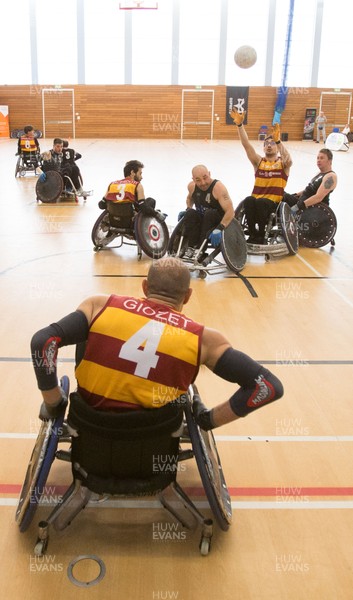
x=39, y=466
x=50, y=189
x=210, y=469
x=151, y=235
x=317, y=226
x=101, y=235
x=233, y=246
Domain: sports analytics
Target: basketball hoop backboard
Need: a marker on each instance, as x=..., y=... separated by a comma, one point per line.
x=138, y=5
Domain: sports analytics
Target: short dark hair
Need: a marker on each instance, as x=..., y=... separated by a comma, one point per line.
x=65, y=144
x=327, y=152
x=132, y=165
x=57, y=141
x=28, y=128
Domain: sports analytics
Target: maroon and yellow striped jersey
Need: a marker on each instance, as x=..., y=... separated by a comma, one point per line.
x=123, y=190
x=27, y=144
x=270, y=180
x=139, y=353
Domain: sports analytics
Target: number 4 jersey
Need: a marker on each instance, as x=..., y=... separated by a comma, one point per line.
x=139, y=353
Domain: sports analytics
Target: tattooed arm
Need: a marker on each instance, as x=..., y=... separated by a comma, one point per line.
x=221, y=194
x=328, y=184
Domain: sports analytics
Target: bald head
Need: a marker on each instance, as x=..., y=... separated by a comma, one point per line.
x=201, y=177
x=168, y=280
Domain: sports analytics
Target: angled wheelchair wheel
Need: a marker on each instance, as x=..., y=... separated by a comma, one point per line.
x=39, y=466
x=240, y=215
x=151, y=235
x=101, y=235
x=289, y=228
x=18, y=166
x=50, y=190
x=317, y=226
x=177, y=242
x=210, y=469
x=233, y=246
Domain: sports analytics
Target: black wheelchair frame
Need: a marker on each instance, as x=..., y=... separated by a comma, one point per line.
x=281, y=235
x=122, y=223
x=232, y=247
x=78, y=429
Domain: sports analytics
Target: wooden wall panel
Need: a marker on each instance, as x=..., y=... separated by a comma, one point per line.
x=132, y=111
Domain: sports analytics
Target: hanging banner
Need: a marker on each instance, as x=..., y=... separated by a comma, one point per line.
x=309, y=124
x=237, y=97
x=4, y=121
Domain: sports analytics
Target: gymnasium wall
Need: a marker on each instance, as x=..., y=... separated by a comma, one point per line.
x=133, y=111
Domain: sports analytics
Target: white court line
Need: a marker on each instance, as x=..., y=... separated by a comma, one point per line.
x=228, y=438
x=236, y=505
x=327, y=281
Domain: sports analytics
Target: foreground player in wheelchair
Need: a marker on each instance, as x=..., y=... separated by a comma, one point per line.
x=28, y=152
x=208, y=222
x=128, y=215
x=316, y=226
x=134, y=381
x=132, y=340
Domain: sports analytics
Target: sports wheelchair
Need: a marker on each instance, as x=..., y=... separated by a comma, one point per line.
x=317, y=226
x=130, y=454
x=57, y=187
x=232, y=247
x=27, y=162
x=281, y=235
x=120, y=221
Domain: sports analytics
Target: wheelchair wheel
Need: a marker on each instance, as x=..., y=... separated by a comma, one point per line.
x=151, y=235
x=18, y=166
x=239, y=214
x=39, y=466
x=101, y=235
x=233, y=246
x=50, y=190
x=177, y=242
x=317, y=226
x=210, y=469
x=289, y=228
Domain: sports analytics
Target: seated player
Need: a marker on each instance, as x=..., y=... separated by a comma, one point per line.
x=54, y=160
x=28, y=147
x=271, y=174
x=319, y=188
x=137, y=347
x=209, y=210
x=130, y=190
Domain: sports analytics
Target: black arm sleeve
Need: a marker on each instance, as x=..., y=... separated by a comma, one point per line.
x=72, y=329
x=258, y=386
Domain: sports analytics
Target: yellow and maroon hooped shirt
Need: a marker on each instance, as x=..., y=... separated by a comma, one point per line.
x=139, y=353
x=270, y=180
x=123, y=190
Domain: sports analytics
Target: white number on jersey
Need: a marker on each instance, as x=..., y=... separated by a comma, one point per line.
x=145, y=358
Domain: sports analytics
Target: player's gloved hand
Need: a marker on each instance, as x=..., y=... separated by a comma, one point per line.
x=276, y=133
x=47, y=411
x=42, y=177
x=201, y=414
x=215, y=237
x=237, y=117
x=145, y=208
x=102, y=204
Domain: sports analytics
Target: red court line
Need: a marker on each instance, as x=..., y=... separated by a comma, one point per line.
x=283, y=491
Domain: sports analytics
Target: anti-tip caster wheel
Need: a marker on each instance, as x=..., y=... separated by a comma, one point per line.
x=205, y=546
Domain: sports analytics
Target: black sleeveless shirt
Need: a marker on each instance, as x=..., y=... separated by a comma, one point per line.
x=204, y=199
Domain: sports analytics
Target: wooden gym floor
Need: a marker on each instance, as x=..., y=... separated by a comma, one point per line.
x=289, y=466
